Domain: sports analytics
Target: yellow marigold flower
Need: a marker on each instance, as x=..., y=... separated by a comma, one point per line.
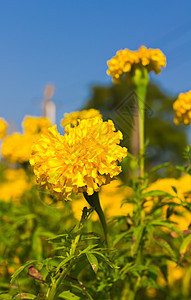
x=35, y=125
x=182, y=109
x=17, y=147
x=74, y=117
x=3, y=128
x=81, y=160
x=126, y=60
x=111, y=197
x=14, y=186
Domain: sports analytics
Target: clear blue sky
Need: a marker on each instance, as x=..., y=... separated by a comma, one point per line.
x=67, y=43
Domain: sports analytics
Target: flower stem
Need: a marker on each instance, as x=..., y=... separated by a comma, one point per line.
x=93, y=200
x=140, y=81
x=67, y=269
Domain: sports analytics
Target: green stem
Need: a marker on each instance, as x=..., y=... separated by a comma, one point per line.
x=58, y=282
x=93, y=200
x=140, y=81
x=66, y=270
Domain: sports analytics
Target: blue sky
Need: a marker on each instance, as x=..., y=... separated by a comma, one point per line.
x=67, y=43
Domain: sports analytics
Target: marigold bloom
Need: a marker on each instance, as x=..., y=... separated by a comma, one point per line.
x=35, y=125
x=17, y=147
x=182, y=109
x=111, y=197
x=74, y=117
x=81, y=160
x=3, y=128
x=126, y=60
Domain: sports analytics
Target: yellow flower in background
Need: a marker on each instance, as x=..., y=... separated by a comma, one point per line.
x=175, y=273
x=126, y=60
x=182, y=185
x=35, y=125
x=16, y=148
x=111, y=197
x=3, y=128
x=74, y=117
x=13, y=174
x=182, y=109
x=80, y=161
x=14, y=185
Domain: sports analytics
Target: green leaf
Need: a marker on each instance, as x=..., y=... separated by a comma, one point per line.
x=135, y=268
x=121, y=236
x=186, y=242
x=58, y=238
x=67, y=295
x=174, y=189
x=179, y=168
x=165, y=245
x=166, y=224
x=104, y=258
x=5, y=296
x=166, y=164
x=90, y=247
x=24, y=296
x=137, y=236
x=156, y=193
x=93, y=261
x=65, y=261
x=13, y=277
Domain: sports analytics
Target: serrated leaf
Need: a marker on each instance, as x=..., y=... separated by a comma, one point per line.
x=67, y=295
x=93, y=261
